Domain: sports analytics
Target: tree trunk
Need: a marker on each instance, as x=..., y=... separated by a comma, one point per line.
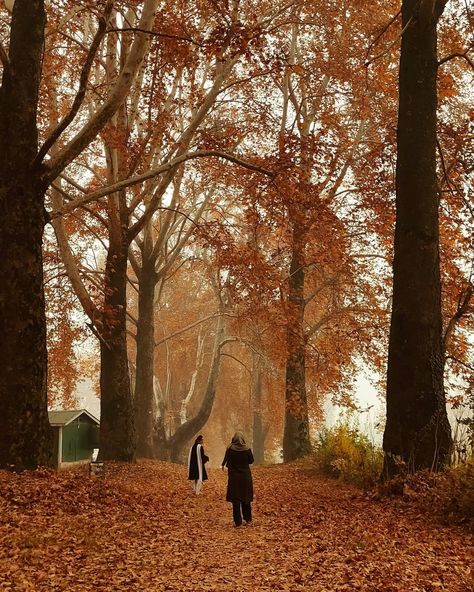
x=187, y=398
x=145, y=354
x=417, y=430
x=160, y=441
x=192, y=427
x=296, y=433
x=258, y=444
x=117, y=426
x=25, y=433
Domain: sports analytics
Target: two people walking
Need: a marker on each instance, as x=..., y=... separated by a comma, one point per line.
x=238, y=458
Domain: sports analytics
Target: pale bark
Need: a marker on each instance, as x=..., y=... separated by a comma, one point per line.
x=183, y=413
x=81, y=93
x=70, y=264
x=115, y=98
x=193, y=425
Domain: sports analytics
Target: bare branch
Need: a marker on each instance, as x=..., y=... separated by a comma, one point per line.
x=223, y=68
x=246, y=342
x=134, y=262
x=187, y=328
x=371, y=256
x=132, y=319
x=184, y=239
x=74, y=275
x=342, y=173
x=239, y=361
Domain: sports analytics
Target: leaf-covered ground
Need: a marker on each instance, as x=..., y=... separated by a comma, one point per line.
x=142, y=529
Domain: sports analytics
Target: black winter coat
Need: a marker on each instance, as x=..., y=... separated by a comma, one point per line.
x=239, y=483
x=193, y=463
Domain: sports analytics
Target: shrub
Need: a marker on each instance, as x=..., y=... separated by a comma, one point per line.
x=462, y=500
x=345, y=453
x=449, y=493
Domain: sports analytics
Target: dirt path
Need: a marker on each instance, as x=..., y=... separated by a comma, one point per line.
x=144, y=530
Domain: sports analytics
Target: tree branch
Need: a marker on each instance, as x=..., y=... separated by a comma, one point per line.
x=156, y=34
x=462, y=308
x=458, y=361
x=330, y=282
x=452, y=56
x=134, y=262
x=182, y=242
x=95, y=195
x=239, y=361
x=125, y=80
x=384, y=30
x=79, y=98
x=394, y=42
x=73, y=183
x=324, y=320
x=187, y=328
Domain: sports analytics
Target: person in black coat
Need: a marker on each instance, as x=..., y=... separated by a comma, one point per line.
x=238, y=458
x=196, y=464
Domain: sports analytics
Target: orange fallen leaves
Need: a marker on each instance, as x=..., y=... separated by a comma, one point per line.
x=142, y=529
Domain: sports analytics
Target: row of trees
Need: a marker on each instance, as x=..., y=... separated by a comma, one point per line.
x=239, y=161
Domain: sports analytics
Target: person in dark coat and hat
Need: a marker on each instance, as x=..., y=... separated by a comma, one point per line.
x=196, y=464
x=238, y=458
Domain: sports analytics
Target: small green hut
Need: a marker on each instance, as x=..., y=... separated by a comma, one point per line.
x=76, y=434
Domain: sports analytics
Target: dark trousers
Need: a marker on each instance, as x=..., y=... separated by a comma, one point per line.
x=239, y=509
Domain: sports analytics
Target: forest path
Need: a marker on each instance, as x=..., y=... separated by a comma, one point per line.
x=143, y=529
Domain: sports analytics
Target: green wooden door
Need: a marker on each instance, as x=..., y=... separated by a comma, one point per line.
x=79, y=439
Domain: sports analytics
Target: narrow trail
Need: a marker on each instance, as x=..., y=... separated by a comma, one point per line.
x=143, y=529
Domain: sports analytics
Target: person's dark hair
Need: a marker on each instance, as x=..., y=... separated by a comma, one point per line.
x=198, y=439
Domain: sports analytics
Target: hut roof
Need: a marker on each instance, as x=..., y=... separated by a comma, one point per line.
x=64, y=418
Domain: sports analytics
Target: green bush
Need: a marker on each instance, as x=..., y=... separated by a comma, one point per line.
x=344, y=452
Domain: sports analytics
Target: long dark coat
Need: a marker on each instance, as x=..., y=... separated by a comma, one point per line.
x=193, y=463
x=239, y=483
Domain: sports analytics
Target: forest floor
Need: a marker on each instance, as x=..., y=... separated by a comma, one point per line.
x=143, y=529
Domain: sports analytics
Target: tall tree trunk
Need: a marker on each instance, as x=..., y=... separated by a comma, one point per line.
x=117, y=426
x=25, y=434
x=417, y=429
x=145, y=353
x=117, y=417
x=296, y=433
x=258, y=444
